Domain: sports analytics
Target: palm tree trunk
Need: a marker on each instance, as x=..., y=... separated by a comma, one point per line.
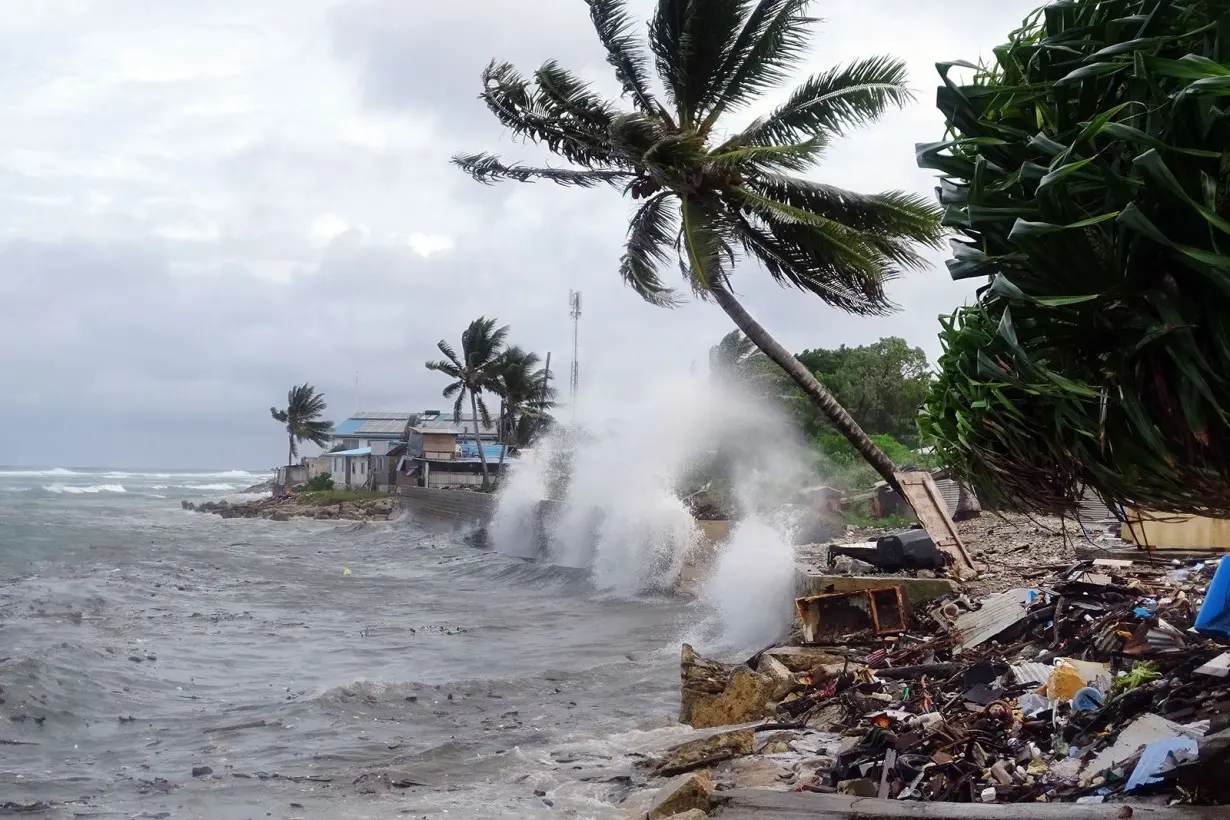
x=482, y=457
x=290, y=456
x=842, y=420
x=505, y=423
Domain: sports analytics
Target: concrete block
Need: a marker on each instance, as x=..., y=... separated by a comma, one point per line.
x=917, y=592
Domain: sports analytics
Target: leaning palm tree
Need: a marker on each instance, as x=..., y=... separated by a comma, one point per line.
x=304, y=407
x=712, y=192
x=476, y=370
x=526, y=396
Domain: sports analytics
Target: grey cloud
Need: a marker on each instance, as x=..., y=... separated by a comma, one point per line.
x=416, y=55
x=163, y=275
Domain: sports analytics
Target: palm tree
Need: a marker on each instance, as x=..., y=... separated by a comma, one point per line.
x=714, y=194
x=304, y=407
x=475, y=370
x=526, y=395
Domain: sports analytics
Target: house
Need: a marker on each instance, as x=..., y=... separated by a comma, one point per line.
x=442, y=454
x=364, y=468
x=366, y=428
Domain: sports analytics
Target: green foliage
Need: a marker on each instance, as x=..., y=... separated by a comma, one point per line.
x=1087, y=173
x=476, y=368
x=526, y=396
x=882, y=385
x=324, y=498
x=302, y=417
x=711, y=192
x=843, y=467
x=736, y=362
x=319, y=483
x=858, y=514
x=1142, y=672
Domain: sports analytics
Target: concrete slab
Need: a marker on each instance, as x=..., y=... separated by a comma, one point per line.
x=916, y=591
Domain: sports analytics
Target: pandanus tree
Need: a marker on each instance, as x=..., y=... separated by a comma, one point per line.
x=1088, y=172
x=302, y=417
x=474, y=371
x=712, y=194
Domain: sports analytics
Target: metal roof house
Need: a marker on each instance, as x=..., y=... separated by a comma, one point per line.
x=363, y=429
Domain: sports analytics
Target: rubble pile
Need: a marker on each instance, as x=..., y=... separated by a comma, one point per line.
x=1102, y=682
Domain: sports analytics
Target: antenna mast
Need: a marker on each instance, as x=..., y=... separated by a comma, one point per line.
x=574, y=378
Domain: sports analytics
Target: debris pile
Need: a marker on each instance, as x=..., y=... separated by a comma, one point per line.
x=1107, y=681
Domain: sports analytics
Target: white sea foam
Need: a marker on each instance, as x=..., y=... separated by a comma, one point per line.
x=37, y=473
x=218, y=487
x=85, y=489
x=623, y=517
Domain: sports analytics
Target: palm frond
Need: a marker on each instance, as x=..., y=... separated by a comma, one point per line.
x=447, y=368
x=452, y=389
x=278, y=415
x=665, y=41
x=889, y=214
x=842, y=266
x=761, y=159
x=488, y=168
x=773, y=40
x=614, y=27
x=564, y=95
x=650, y=232
x=703, y=245
x=483, y=414
x=449, y=353
x=712, y=28
x=832, y=103
x=536, y=115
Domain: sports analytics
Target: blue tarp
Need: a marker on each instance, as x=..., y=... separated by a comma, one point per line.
x=1214, y=617
x=468, y=449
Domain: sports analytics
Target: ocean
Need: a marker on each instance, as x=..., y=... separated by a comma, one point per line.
x=140, y=643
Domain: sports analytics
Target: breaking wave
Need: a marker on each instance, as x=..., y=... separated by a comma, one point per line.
x=37, y=473
x=90, y=489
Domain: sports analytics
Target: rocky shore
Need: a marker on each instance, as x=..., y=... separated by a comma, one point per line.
x=318, y=506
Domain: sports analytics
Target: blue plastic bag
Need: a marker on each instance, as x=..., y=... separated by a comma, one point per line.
x=1214, y=617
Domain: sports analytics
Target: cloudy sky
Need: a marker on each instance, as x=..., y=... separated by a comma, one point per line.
x=204, y=203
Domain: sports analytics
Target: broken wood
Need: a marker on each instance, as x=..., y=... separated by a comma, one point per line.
x=762, y=804
x=920, y=492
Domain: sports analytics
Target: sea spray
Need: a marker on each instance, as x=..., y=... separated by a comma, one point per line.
x=751, y=590
x=622, y=516
x=515, y=530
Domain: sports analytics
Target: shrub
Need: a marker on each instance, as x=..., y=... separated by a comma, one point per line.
x=319, y=483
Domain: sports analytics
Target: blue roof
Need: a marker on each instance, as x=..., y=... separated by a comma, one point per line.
x=348, y=427
x=362, y=451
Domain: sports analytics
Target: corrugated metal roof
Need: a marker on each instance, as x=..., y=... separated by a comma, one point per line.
x=362, y=451
x=381, y=424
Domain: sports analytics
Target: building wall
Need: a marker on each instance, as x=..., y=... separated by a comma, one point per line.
x=439, y=446
x=318, y=466
x=439, y=479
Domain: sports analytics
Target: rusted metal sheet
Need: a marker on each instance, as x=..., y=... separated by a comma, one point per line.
x=840, y=617
x=929, y=507
x=997, y=613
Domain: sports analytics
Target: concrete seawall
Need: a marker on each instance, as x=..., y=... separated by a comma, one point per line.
x=462, y=507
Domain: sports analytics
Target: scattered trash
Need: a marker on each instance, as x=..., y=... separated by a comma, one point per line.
x=345, y=571
x=1085, y=686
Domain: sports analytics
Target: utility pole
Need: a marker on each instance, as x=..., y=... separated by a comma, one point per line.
x=574, y=379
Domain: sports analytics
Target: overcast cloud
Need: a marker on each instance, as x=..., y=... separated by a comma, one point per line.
x=204, y=203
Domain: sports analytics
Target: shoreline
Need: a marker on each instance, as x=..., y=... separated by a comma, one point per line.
x=325, y=506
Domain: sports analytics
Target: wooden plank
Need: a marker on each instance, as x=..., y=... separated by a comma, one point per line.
x=753, y=804
x=1164, y=531
x=924, y=497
